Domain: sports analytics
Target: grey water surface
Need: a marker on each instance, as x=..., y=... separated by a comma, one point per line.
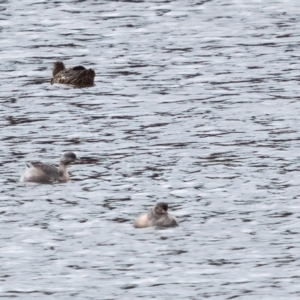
x=196, y=103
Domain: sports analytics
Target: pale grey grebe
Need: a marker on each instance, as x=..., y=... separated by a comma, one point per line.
x=46, y=173
x=156, y=216
x=77, y=76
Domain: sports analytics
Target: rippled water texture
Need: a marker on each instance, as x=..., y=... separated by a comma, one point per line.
x=196, y=104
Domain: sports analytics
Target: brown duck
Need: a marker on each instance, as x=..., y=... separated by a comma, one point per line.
x=77, y=76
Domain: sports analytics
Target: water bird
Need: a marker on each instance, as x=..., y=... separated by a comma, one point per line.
x=156, y=216
x=47, y=173
x=77, y=76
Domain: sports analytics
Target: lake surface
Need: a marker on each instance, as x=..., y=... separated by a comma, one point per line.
x=196, y=103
